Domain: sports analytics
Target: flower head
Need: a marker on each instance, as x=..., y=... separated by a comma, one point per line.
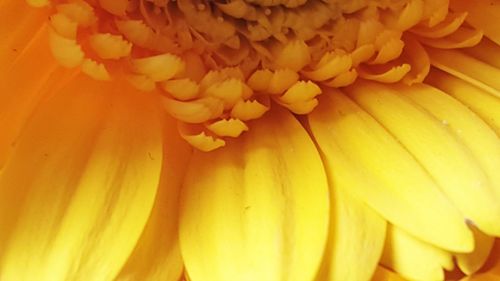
x=249, y=140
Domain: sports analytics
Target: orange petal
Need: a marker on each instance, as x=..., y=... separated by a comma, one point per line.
x=93, y=157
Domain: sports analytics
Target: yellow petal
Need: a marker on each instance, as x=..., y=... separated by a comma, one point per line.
x=93, y=155
x=361, y=153
x=466, y=68
x=481, y=102
x=160, y=67
x=383, y=274
x=486, y=51
x=26, y=20
x=483, y=143
x=463, y=37
x=452, y=22
x=414, y=259
x=449, y=162
x=356, y=237
x=384, y=73
x=18, y=98
x=491, y=270
x=416, y=56
x=157, y=255
x=482, y=14
x=471, y=262
x=258, y=208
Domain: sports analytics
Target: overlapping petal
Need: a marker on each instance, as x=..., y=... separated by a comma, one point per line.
x=80, y=184
x=405, y=174
x=258, y=209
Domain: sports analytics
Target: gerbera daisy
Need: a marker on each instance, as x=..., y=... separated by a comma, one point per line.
x=249, y=140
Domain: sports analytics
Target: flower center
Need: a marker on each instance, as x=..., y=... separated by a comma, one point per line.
x=220, y=63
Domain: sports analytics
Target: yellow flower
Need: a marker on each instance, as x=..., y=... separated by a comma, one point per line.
x=288, y=140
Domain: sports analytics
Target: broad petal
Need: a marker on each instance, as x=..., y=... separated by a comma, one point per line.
x=257, y=209
x=80, y=185
x=435, y=146
x=357, y=235
x=383, y=274
x=482, y=14
x=470, y=263
x=19, y=23
x=361, y=154
x=414, y=259
x=157, y=255
x=491, y=271
x=22, y=86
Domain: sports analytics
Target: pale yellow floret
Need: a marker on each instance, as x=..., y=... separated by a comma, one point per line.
x=229, y=91
x=300, y=91
x=136, y=31
x=200, y=140
x=197, y=111
x=330, y=65
x=228, y=127
x=463, y=37
x=38, y=3
x=302, y=107
x=79, y=11
x=109, y=46
x=182, y=89
x=368, y=31
x=390, y=50
x=410, y=16
x=66, y=51
x=281, y=80
x=300, y=98
x=116, y=7
x=95, y=70
x=237, y=9
x=362, y=53
x=158, y=68
x=393, y=75
x=342, y=80
x=209, y=67
x=272, y=82
x=141, y=82
x=452, y=22
x=435, y=11
x=260, y=79
x=63, y=25
x=248, y=110
x=217, y=76
x=294, y=55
